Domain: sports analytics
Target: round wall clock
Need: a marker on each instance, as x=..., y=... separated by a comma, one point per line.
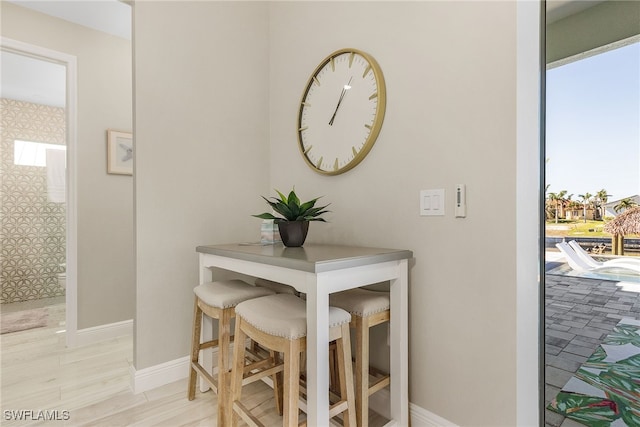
x=341, y=112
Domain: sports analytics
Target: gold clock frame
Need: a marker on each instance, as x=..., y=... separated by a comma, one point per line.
x=377, y=121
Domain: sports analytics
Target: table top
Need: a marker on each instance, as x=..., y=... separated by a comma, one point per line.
x=313, y=258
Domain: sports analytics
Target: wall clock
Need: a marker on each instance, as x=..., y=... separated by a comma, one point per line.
x=341, y=111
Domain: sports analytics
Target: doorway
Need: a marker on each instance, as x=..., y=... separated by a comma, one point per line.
x=39, y=261
x=592, y=162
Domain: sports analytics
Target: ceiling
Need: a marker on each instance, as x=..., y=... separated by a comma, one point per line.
x=32, y=80
x=109, y=16
x=560, y=9
x=42, y=82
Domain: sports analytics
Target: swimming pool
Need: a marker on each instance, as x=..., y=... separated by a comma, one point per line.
x=615, y=275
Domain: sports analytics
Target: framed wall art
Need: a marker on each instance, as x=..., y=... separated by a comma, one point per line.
x=119, y=152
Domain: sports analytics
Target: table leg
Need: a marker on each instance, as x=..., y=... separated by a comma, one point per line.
x=399, y=348
x=317, y=357
x=206, y=334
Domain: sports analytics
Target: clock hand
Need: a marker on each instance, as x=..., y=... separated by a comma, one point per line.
x=345, y=88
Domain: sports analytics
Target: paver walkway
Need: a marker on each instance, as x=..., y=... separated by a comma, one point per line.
x=579, y=313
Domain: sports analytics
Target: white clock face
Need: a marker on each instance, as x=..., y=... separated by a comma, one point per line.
x=341, y=112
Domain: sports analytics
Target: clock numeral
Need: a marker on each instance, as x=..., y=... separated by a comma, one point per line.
x=335, y=165
x=374, y=96
x=367, y=126
x=306, y=104
x=366, y=71
x=302, y=129
x=333, y=64
x=319, y=163
x=315, y=79
x=352, y=55
x=307, y=149
x=355, y=152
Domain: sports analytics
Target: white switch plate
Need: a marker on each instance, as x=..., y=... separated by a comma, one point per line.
x=432, y=202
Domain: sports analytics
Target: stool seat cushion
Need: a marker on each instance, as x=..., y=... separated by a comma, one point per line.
x=279, y=288
x=361, y=302
x=284, y=315
x=228, y=293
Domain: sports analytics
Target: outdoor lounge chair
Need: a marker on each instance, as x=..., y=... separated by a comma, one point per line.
x=578, y=264
x=593, y=263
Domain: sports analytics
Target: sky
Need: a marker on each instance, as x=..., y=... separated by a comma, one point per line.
x=593, y=125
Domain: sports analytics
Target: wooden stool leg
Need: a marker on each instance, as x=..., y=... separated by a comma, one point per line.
x=236, y=373
x=195, y=349
x=224, y=338
x=291, y=383
x=277, y=381
x=334, y=383
x=362, y=371
x=345, y=375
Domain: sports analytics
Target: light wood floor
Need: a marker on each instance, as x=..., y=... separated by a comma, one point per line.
x=92, y=383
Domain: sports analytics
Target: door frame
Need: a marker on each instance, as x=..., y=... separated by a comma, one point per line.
x=71, y=109
x=530, y=110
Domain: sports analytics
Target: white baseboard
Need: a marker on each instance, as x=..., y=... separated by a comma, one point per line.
x=103, y=332
x=159, y=375
x=175, y=370
x=420, y=417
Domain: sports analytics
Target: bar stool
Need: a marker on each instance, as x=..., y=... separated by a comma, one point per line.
x=279, y=322
x=278, y=288
x=217, y=300
x=367, y=308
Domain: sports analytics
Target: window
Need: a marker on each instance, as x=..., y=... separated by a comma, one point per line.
x=28, y=153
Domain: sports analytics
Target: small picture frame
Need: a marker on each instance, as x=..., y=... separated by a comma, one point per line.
x=119, y=152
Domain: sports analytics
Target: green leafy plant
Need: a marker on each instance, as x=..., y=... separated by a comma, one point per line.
x=290, y=209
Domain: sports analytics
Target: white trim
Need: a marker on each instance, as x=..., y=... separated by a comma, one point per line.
x=104, y=332
x=165, y=373
x=528, y=121
x=159, y=375
x=420, y=417
x=71, y=108
x=593, y=52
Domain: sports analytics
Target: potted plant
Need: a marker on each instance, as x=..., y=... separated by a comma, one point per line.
x=293, y=224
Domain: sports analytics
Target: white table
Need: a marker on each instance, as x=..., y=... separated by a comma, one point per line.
x=319, y=270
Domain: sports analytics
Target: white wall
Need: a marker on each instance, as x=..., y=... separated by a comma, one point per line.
x=105, y=202
x=450, y=71
x=202, y=153
x=217, y=86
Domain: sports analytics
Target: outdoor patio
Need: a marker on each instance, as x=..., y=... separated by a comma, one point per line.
x=580, y=312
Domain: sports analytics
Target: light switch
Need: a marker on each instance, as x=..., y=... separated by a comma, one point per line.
x=432, y=202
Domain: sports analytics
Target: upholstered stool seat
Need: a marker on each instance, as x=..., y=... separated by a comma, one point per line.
x=218, y=301
x=361, y=302
x=368, y=308
x=279, y=288
x=228, y=293
x=279, y=323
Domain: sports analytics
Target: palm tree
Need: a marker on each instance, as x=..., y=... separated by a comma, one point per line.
x=557, y=199
x=554, y=198
x=574, y=205
x=624, y=204
x=586, y=197
x=602, y=197
x=563, y=199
